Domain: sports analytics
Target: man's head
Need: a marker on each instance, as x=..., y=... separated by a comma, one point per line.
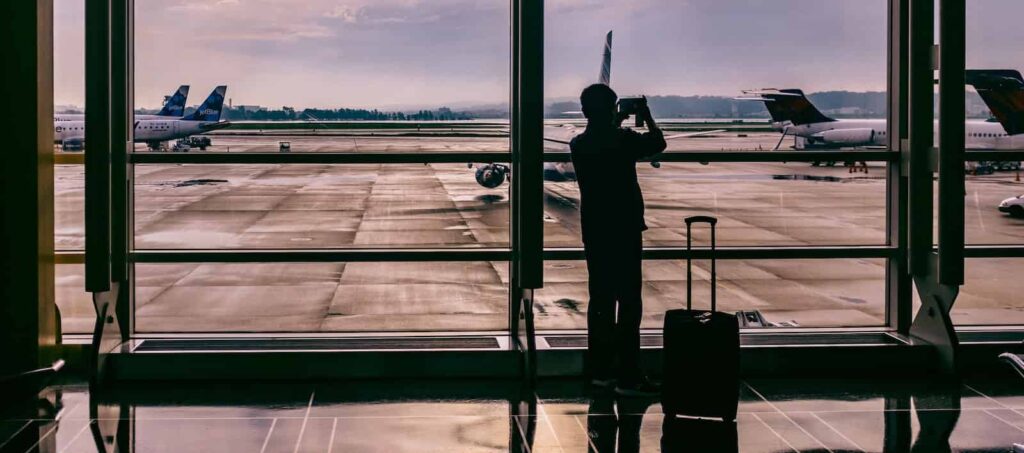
x=598, y=102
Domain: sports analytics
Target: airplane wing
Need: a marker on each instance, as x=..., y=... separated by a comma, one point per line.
x=693, y=134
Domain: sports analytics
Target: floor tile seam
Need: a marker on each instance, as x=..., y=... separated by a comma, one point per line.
x=52, y=430
x=1018, y=428
x=783, y=439
x=979, y=392
x=518, y=426
x=334, y=430
x=24, y=425
x=266, y=440
x=760, y=395
x=802, y=429
x=75, y=437
x=829, y=425
x=543, y=414
x=305, y=419
x=586, y=432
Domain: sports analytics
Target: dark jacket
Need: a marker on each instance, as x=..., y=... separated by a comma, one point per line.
x=611, y=203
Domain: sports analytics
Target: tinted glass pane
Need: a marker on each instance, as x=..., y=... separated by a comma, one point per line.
x=321, y=297
x=786, y=293
x=316, y=206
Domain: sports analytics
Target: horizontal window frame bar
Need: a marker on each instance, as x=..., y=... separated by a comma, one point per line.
x=437, y=157
x=756, y=156
x=494, y=254
x=994, y=251
x=69, y=257
x=505, y=254
x=974, y=156
x=68, y=158
x=429, y=157
x=738, y=253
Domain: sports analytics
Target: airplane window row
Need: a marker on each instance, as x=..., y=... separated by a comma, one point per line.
x=978, y=134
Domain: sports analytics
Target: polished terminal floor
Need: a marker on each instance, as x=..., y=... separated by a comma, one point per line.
x=776, y=415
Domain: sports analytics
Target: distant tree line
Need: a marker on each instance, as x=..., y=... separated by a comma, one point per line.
x=344, y=114
x=839, y=104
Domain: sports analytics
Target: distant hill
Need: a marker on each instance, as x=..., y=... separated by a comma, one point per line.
x=838, y=104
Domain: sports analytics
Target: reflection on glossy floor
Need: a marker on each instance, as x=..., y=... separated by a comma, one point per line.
x=489, y=416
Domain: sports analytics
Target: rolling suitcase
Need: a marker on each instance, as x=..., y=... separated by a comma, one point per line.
x=701, y=351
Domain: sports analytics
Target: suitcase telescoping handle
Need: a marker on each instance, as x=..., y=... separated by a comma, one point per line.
x=689, y=259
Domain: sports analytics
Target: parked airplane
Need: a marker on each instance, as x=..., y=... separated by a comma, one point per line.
x=494, y=175
x=173, y=108
x=153, y=132
x=794, y=115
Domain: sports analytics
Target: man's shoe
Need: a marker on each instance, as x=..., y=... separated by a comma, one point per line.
x=639, y=388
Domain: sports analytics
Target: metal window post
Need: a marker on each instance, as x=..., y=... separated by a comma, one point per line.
x=102, y=79
x=97, y=145
x=920, y=124
x=515, y=294
x=527, y=144
x=937, y=278
x=531, y=144
x=121, y=174
x=952, y=36
x=899, y=291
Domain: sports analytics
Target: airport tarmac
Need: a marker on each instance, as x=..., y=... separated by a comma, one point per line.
x=441, y=205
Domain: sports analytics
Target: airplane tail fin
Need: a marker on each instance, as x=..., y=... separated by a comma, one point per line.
x=606, y=61
x=211, y=108
x=788, y=104
x=175, y=105
x=1003, y=92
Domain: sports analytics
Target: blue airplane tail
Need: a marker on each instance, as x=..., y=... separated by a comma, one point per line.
x=175, y=106
x=211, y=108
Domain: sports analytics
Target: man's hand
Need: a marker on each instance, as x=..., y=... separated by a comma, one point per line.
x=619, y=118
x=647, y=117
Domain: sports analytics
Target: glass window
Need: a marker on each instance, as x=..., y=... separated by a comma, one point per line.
x=786, y=293
x=77, y=314
x=75, y=305
x=321, y=297
x=991, y=294
x=694, y=59
x=758, y=204
x=386, y=78
x=383, y=76
x=316, y=206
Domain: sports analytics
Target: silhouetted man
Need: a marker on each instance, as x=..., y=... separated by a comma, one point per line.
x=612, y=216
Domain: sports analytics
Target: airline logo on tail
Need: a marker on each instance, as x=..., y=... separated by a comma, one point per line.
x=788, y=104
x=1003, y=92
x=211, y=108
x=606, y=61
x=175, y=106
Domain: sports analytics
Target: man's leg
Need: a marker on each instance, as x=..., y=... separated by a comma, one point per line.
x=630, y=310
x=600, y=316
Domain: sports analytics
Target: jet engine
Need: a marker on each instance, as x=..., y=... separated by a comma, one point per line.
x=492, y=175
x=848, y=137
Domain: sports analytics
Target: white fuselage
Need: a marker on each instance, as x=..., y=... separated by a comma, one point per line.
x=979, y=134
x=146, y=130
x=62, y=117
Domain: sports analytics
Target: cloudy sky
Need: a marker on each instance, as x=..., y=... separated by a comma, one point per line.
x=404, y=53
